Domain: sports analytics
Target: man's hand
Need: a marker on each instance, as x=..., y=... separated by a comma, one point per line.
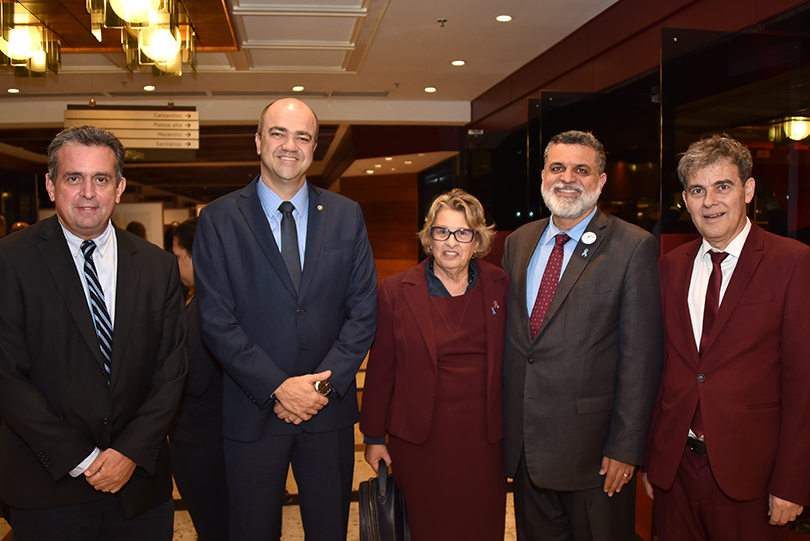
x=376, y=452
x=285, y=415
x=782, y=511
x=110, y=471
x=299, y=398
x=647, y=486
x=617, y=474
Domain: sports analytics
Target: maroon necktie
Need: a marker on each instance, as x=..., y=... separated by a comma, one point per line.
x=548, y=285
x=712, y=297
x=709, y=313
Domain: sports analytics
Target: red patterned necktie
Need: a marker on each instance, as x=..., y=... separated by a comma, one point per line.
x=548, y=285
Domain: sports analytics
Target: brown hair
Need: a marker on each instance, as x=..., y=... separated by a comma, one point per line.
x=710, y=150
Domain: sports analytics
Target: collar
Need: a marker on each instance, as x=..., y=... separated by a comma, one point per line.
x=436, y=287
x=103, y=241
x=735, y=247
x=575, y=233
x=271, y=200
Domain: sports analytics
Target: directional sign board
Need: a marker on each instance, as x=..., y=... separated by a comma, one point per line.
x=142, y=127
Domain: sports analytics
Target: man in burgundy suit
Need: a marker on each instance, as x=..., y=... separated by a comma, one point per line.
x=728, y=453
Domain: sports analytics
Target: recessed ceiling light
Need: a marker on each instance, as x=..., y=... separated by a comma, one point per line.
x=408, y=162
x=458, y=62
x=430, y=89
x=503, y=18
x=298, y=88
x=149, y=88
x=377, y=165
x=388, y=158
x=370, y=171
x=13, y=90
x=421, y=154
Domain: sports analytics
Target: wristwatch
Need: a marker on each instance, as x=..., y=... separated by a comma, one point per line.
x=323, y=387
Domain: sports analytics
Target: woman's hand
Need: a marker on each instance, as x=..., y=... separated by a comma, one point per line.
x=374, y=453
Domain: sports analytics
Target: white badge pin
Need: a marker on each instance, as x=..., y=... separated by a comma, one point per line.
x=589, y=237
x=320, y=207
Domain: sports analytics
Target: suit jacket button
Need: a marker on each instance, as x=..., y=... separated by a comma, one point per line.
x=531, y=361
x=105, y=421
x=701, y=378
x=299, y=311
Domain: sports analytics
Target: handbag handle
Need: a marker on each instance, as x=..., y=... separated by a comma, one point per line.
x=382, y=476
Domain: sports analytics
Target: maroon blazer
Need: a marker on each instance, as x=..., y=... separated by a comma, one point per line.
x=400, y=387
x=753, y=381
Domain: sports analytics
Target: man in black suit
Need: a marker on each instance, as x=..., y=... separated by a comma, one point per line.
x=92, y=360
x=287, y=300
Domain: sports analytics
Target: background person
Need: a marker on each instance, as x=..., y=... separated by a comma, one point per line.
x=195, y=437
x=434, y=383
x=728, y=450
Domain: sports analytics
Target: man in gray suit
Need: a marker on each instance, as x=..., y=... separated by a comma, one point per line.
x=583, y=355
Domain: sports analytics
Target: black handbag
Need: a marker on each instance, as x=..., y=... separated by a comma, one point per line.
x=383, y=516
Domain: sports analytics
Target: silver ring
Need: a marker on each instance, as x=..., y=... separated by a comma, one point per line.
x=625, y=475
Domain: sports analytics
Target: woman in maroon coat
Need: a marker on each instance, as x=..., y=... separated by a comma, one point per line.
x=433, y=384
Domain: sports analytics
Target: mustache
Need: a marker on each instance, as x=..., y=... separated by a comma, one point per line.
x=562, y=185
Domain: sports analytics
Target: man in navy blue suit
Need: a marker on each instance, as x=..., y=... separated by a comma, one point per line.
x=286, y=291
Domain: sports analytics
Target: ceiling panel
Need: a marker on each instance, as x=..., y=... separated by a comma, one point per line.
x=268, y=59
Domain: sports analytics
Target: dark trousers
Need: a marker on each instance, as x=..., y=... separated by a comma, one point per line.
x=696, y=509
x=96, y=521
x=322, y=464
x=199, y=471
x=583, y=515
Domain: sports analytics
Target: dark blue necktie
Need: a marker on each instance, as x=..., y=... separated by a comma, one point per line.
x=289, y=243
x=101, y=317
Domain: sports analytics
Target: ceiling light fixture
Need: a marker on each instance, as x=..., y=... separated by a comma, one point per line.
x=797, y=127
x=503, y=18
x=156, y=33
x=13, y=90
x=298, y=88
x=458, y=62
x=430, y=89
x=149, y=88
x=26, y=45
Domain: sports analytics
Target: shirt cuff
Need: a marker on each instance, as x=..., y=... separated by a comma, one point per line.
x=84, y=464
x=368, y=440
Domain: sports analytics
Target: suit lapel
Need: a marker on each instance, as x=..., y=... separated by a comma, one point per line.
x=57, y=257
x=750, y=258
x=523, y=260
x=681, y=280
x=127, y=293
x=583, y=254
x=414, y=287
x=315, y=231
x=251, y=208
x=491, y=293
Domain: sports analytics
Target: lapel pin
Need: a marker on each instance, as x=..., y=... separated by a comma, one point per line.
x=494, y=307
x=585, y=253
x=589, y=238
x=320, y=207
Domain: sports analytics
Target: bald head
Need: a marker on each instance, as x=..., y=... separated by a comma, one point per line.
x=291, y=104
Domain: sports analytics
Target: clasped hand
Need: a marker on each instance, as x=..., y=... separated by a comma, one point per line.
x=297, y=400
x=110, y=471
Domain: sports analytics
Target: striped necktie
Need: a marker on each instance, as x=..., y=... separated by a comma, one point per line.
x=101, y=317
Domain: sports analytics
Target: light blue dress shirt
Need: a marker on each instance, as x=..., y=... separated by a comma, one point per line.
x=270, y=203
x=537, y=264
